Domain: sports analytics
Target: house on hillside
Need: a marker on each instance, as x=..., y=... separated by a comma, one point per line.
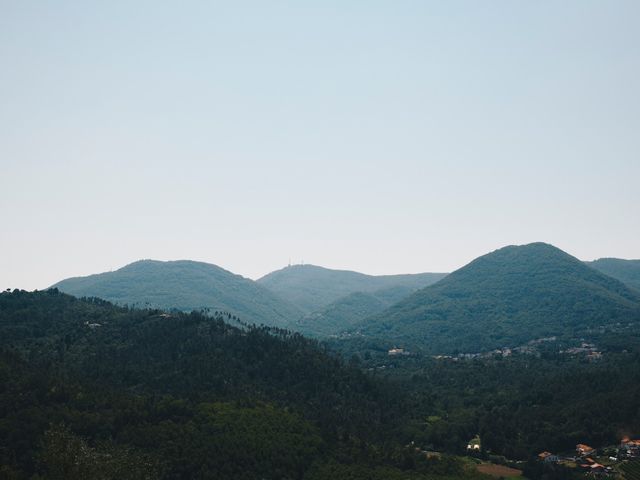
x=630, y=448
x=548, y=457
x=397, y=351
x=583, y=449
x=474, y=444
x=593, y=356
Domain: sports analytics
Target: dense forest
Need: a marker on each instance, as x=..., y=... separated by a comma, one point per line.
x=91, y=390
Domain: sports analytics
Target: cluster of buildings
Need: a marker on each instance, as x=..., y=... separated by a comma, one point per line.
x=504, y=352
x=589, y=350
x=583, y=459
x=629, y=448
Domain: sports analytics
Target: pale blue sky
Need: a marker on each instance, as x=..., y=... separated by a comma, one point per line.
x=384, y=137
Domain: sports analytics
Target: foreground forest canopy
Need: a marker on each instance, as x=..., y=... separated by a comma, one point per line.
x=91, y=390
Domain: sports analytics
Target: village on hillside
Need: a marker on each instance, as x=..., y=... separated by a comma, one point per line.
x=620, y=461
x=611, y=461
x=587, y=350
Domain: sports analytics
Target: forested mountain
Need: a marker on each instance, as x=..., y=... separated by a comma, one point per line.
x=506, y=298
x=185, y=285
x=311, y=288
x=91, y=390
x=627, y=271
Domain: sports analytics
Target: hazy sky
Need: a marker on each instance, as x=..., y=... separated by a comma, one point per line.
x=384, y=137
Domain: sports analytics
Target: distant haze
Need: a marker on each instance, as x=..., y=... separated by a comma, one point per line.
x=380, y=137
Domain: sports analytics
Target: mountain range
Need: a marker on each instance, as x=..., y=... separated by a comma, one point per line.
x=295, y=297
x=504, y=298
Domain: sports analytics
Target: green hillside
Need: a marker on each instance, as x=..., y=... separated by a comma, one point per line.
x=506, y=298
x=185, y=285
x=349, y=310
x=627, y=271
x=311, y=288
x=89, y=390
x=341, y=314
